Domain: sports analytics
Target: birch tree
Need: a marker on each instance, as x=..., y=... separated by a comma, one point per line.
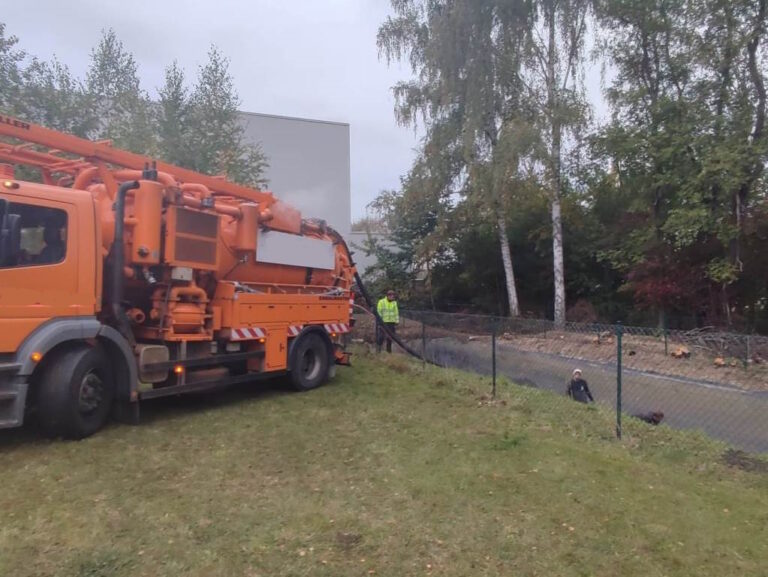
x=466, y=57
x=554, y=90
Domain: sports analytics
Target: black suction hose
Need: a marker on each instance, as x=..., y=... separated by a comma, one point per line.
x=372, y=307
x=118, y=262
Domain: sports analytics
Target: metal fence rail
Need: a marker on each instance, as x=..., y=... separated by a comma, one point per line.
x=704, y=380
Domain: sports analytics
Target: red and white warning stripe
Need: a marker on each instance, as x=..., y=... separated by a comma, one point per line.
x=247, y=334
x=294, y=330
x=337, y=328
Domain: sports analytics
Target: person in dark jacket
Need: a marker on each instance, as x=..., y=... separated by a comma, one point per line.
x=578, y=389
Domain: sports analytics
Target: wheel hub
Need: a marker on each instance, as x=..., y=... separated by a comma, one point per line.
x=309, y=364
x=91, y=393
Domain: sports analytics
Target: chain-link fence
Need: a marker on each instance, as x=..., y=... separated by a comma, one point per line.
x=702, y=379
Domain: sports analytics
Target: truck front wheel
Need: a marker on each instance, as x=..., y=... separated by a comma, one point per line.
x=75, y=392
x=310, y=363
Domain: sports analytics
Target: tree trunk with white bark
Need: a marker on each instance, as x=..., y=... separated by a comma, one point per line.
x=509, y=272
x=557, y=250
x=555, y=167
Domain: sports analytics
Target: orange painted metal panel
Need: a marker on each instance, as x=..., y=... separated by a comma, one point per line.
x=33, y=294
x=249, y=309
x=276, y=348
x=13, y=331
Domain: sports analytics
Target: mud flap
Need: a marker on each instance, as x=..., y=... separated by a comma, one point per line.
x=126, y=412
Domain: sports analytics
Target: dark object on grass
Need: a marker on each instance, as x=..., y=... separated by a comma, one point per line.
x=654, y=417
x=348, y=540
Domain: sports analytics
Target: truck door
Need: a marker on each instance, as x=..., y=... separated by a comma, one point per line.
x=39, y=281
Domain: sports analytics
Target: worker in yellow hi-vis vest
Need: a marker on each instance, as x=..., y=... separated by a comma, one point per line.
x=390, y=316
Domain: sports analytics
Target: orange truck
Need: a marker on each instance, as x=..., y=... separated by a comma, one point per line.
x=123, y=279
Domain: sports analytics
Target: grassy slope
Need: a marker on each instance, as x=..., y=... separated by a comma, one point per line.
x=387, y=471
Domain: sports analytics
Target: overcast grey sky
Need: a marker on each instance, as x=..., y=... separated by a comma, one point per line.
x=307, y=58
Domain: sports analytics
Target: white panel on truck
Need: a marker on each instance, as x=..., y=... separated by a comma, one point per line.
x=308, y=164
x=294, y=250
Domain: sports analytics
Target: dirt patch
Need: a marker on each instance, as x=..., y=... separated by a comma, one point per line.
x=488, y=401
x=347, y=541
x=744, y=461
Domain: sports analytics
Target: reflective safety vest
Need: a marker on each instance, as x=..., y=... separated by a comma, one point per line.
x=388, y=311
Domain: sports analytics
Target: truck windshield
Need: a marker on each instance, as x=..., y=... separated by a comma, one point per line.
x=43, y=235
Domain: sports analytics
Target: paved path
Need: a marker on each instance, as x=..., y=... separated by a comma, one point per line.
x=737, y=417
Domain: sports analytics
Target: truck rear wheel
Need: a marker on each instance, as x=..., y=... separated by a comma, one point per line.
x=75, y=393
x=310, y=363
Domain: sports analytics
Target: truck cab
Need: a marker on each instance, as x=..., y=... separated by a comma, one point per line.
x=50, y=296
x=48, y=264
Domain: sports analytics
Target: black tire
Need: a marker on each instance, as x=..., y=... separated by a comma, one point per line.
x=75, y=393
x=310, y=363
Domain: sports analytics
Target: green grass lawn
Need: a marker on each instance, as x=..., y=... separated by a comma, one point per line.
x=389, y=470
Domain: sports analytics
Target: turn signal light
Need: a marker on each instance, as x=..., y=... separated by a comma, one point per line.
x=36, y=357
x=10, y=184
x=178, y=369
x=262, y=341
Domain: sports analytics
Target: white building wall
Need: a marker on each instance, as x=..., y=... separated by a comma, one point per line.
x=308, y=164
x=357, y=242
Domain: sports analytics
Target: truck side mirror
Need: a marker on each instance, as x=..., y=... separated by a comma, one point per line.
x=10, y=235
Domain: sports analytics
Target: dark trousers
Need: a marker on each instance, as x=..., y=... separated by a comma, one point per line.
x=382, y=336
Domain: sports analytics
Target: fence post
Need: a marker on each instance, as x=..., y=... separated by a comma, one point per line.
x=423, y=344
x=746, y=354
x=619, y=333
x=493, y=357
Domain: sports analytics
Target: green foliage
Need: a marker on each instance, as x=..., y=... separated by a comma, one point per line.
x=11, y=59
x=121, y=106
x=686, y=138
x=414, y=221
x=216, y=138
x=55, y=99
x=663, y=205
x=497, y=100
x=173, y=118
x=197, y=129
x=721, y=271
x=466, y=56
